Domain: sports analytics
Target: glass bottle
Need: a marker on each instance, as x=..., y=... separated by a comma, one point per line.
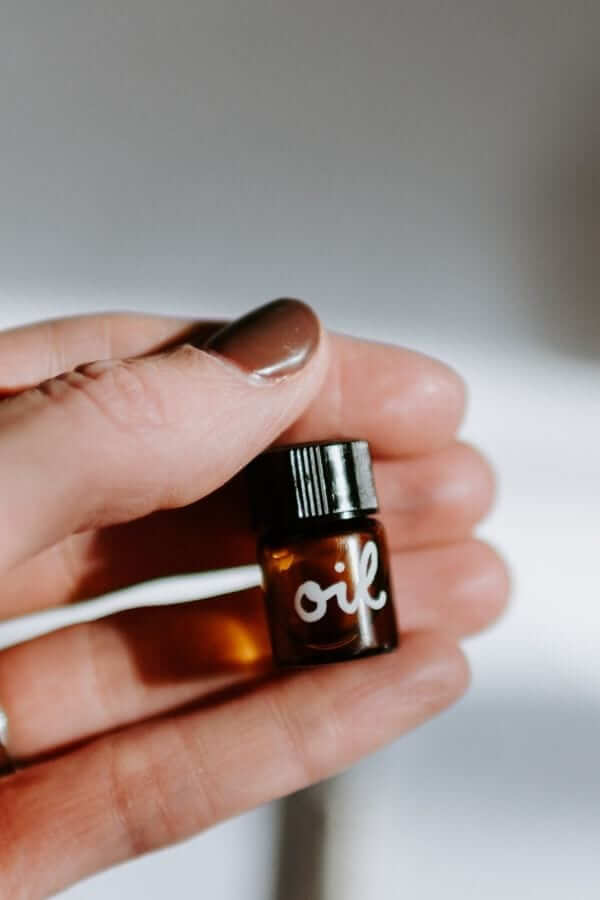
x=323, y=555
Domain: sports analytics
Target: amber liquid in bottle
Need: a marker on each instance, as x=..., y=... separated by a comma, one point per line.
x=327, y=591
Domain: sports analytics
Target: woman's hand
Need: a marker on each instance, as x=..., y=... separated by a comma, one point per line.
x=140, y=730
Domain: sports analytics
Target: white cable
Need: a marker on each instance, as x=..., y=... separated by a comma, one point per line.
x=159, y=592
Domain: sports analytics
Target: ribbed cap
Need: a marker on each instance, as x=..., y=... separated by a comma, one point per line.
x=290, y=485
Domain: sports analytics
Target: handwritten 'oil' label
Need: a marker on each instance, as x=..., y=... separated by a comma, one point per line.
x=318, y=597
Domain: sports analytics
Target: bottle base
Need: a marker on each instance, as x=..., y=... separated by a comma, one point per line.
x=310, y=660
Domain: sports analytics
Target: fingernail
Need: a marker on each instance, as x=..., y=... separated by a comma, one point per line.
x=273, y=341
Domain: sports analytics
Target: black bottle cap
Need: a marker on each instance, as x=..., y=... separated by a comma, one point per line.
x=295, y=484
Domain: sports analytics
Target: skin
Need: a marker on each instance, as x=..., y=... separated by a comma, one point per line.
x=144, y=729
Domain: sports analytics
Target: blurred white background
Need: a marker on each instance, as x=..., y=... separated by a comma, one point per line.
x=423, y=172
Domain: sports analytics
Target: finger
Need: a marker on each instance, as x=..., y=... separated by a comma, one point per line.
x=34, y=353
x=425, y=500
x=160, y=782
x=73, y=447
x=403, y=402
x=434, y=498
x=115, y=440
x=148, y=662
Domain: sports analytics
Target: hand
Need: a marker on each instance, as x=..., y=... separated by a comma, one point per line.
x=140, y=730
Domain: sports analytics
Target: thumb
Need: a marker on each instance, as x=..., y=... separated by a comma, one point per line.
x=118, y=439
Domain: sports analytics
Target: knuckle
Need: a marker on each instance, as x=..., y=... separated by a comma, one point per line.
x=135, y=796
x=122, y=391
x=123, y=789
x=95, y=648
x=301, y=736
x=291, y=738
x=154, y=805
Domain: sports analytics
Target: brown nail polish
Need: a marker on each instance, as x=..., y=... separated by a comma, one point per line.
x=275, y=340
x=323, y=555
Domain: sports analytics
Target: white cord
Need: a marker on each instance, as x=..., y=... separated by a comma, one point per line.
x=160, y=592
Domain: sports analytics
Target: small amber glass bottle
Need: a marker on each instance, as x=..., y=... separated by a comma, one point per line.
x=324, y=558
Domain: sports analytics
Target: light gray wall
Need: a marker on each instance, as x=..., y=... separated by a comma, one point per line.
x=415, y=166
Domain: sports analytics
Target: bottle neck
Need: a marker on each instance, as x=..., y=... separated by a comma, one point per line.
x=320, y=525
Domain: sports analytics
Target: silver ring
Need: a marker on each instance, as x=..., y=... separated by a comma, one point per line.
x=7, y=766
